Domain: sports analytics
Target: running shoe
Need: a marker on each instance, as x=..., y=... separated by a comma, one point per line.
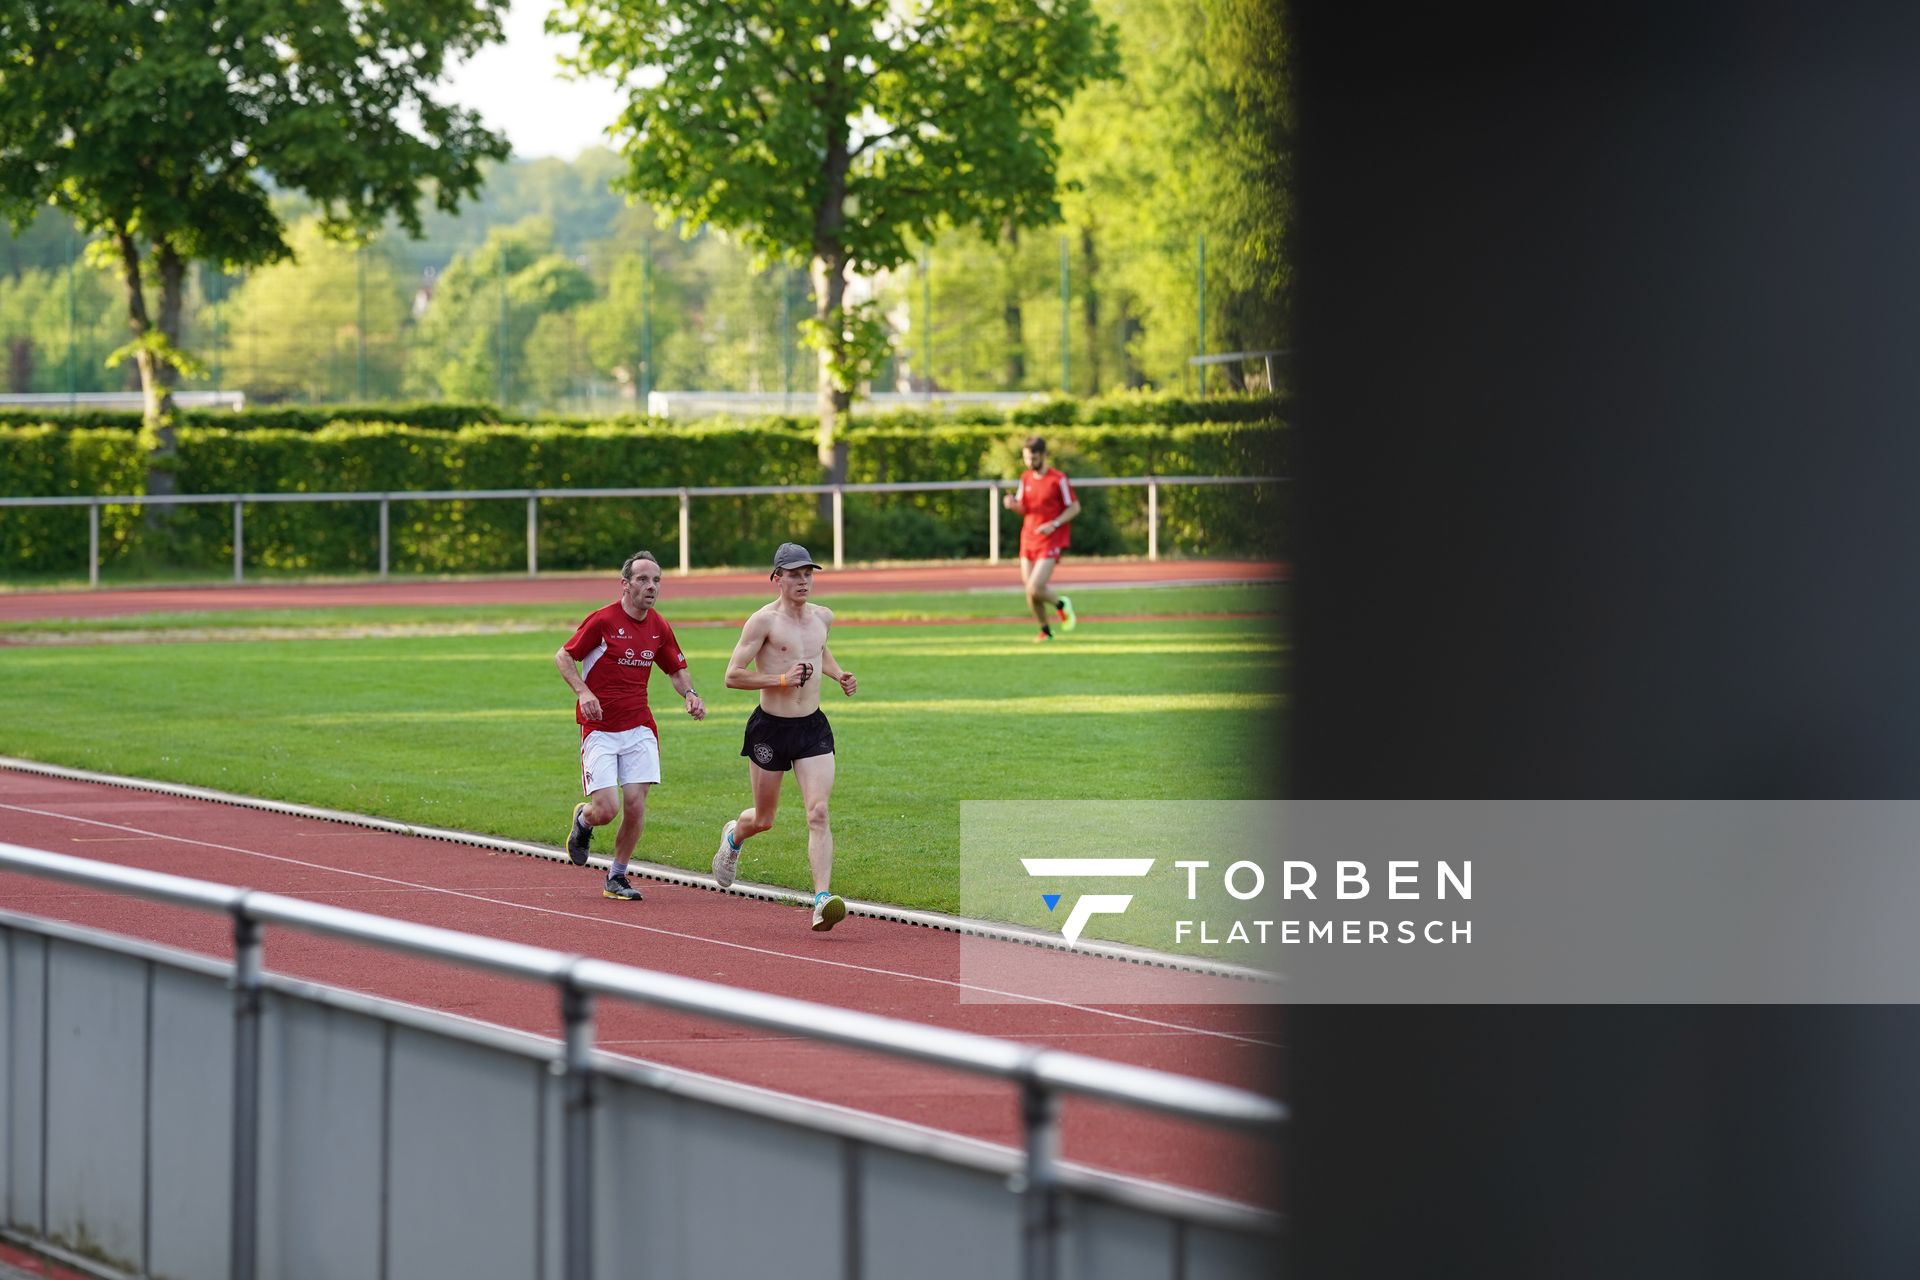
x=620, y=887
x=579, y=837
x=1068, y=620
x=727, y=861
x=828, y=911
x=1043, y=637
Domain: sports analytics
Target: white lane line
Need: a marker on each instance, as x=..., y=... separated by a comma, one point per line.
x=965, y=927
x=665, y=933
x=723, y=1042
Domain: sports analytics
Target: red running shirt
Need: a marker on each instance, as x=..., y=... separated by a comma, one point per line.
x=616, y=655
x=1043, y=496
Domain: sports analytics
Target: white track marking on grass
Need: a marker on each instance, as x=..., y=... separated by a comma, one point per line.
x=665, y=933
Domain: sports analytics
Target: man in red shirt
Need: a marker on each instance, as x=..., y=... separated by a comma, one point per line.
x=1045, y=498
x=616, y=649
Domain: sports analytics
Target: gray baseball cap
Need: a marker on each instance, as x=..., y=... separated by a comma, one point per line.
x=792, y=555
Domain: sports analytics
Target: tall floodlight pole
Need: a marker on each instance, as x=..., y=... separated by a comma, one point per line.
x=646, y=323
x=73, y=318
x=1066, y=356
x=360, y=330
x=214, y=308
x=786, y=337
x=500, y=345
x=1200, y=309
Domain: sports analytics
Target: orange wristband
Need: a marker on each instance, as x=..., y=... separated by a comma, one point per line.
x=783, y=680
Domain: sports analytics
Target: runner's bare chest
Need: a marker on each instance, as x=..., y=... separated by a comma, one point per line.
x=790, y=640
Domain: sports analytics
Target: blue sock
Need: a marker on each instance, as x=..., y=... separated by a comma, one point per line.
x=824, y=893
x=732, y=843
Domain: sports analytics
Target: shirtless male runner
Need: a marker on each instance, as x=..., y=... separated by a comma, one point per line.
x=786, y=642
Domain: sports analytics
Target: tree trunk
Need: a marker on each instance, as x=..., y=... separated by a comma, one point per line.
x=173, y=276
x=1014, y=372
x=139, y=324
x=1234, y=340
x=19, y=364
x=1090, y=304
x=1129, y=330
x=830, y=297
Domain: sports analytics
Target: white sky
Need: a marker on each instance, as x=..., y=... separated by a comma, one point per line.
x=518, y=87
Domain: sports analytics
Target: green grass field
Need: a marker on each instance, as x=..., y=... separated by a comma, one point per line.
x=475, y=731
x=892, y=607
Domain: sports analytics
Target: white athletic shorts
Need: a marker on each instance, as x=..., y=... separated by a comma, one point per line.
x=616, y=759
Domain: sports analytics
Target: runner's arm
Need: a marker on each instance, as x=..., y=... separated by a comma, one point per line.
x=570, y=672
x=831, y=670
x=1073, y=509
x=683, y=685
x=752, y=637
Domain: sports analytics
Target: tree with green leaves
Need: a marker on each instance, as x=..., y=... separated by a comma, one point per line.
x=159, y=127
x=485, y=307
x=1192, y=140
x=329, y=323
x=57, y=327
x=842, y=134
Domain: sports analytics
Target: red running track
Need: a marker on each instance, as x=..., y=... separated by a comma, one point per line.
x=896, y=970
x=598, y=589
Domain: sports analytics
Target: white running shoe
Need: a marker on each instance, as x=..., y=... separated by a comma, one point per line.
x=828, y=912
x=727, y=861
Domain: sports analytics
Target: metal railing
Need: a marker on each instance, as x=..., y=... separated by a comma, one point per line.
x=690, y=405
x=235, y=400
x=533, y=497
x=1041, y=1074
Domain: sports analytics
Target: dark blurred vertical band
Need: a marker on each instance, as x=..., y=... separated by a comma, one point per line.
x=1607, y=327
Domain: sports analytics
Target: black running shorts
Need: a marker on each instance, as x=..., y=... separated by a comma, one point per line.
x=775, y=742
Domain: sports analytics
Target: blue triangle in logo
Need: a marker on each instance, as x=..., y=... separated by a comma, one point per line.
x=1051, y=899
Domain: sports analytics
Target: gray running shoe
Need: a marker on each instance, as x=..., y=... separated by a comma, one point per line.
x=579, y=837
x=619, y=887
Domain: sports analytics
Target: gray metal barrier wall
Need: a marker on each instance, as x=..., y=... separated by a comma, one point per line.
x=401, y=1143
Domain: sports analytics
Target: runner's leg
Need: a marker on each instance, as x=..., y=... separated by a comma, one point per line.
x=815, y=775
x=603, y=806
x=633, y=797
x=766, y=799
x=1040, y=596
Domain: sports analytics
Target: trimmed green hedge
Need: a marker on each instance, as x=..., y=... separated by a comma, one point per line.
x=448, y=416
x=489, y=535
x=46, y=462
x=1112, y=410
x=486, y=534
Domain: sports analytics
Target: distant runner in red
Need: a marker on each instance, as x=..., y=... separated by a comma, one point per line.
x=616, y=649
x=1045, y=498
